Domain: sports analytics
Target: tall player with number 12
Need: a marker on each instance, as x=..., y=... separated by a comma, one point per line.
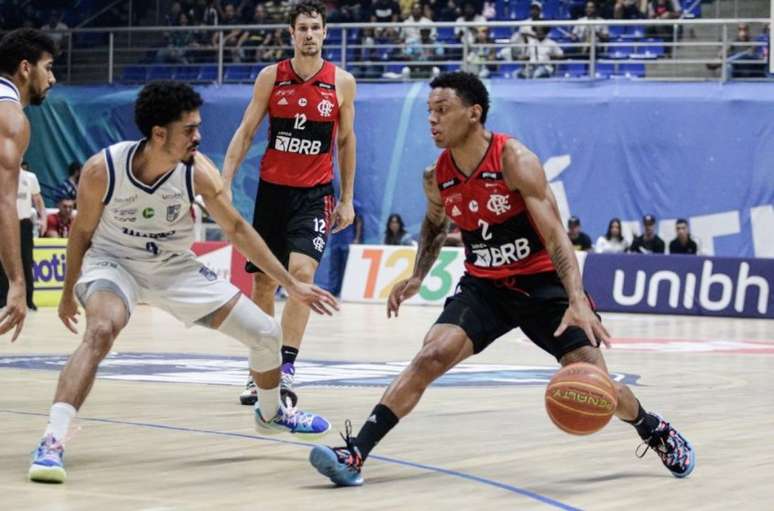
x=310, y=103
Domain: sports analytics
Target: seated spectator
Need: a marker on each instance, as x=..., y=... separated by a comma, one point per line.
x=683, y=243
x=173, y=16
x=274, y=46
x=179, y=43
x=742, y=50
x=649, y=242
x=426, y=49
x=663, y=10
x=412, y=35
x=480, y=53
x=230, y=37
x=395, y=231
x=55, y=23
x=450, y=11
x=251, y=41
x=68, y=189
x=277, y=11
x=582, y=33
x=630, y=9
x=541, y=50
x=521, y=38
x=386, y=11
x=613, y=241
x=579, y=239
x=59, y=224
x=204, y=12
x=468, y=34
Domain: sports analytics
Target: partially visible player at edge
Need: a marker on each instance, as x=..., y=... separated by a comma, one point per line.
x=520, y=272
x=310, y=103
x=26, y=75
x=131, y=242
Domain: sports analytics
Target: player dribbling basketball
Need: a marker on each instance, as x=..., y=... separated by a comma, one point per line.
x=520, y=272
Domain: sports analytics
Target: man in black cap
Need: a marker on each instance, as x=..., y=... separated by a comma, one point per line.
x=683, y=243
x=648, y=243
x=579, y=239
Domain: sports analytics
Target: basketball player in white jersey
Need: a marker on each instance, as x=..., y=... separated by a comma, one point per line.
x=26, y=60
x=130, y=242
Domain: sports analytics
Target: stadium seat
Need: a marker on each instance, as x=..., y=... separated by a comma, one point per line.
x=446, y=34
x=208, y=73
x=508, y=69
x=634, y=32
x=616, y=31
x=605, y=70
x=619, y=52
x=187, y=73
x=161, y=72
x=134, y=74
x=501, y=32
x=632, y=70
x=691, y=8
x=237, y=73
x=654, y=50
x=254, y=70
x=573, y=70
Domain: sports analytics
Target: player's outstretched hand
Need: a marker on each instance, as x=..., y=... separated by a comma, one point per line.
x=319, y=300
x=14, y=312
x=68, y=311
x=401, y=292
x=580, y=314
x=343, y=216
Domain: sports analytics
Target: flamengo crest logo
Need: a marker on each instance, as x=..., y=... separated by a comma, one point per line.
x=325, y=108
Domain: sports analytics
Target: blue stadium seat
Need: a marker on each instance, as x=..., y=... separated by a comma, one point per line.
x=161, y=72
x=619, y=52
x=501, y=32
x=616, y=31
x=254, y=70
x=605, y=70
x=208, y=73
x=656, y=50
x=573, y=70
x=187, y=73
x=691, y=8
x=446, y=34
x=134, y=74
x=509, y=68
x=632, y=70
x=634, y=31
x=237, y=73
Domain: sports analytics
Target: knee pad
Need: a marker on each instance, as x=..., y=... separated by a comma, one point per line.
x=261, y=333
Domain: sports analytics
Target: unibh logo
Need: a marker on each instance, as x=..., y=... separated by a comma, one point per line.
x=710, y=290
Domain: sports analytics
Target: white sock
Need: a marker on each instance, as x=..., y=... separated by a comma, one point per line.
x=59, y=420
x=268, y=402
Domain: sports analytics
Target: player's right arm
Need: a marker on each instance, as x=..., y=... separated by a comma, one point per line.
x=431, y=238
x=243, y=137
x=91, y=191
x=14, y=137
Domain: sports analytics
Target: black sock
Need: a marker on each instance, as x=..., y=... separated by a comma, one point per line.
x=645, y=423
x=378, y=424
x=289, y=354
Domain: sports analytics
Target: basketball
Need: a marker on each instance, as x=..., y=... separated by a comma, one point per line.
x=580, y=399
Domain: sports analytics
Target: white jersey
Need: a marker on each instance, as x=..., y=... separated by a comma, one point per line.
x=8, y=91
x=144, y=222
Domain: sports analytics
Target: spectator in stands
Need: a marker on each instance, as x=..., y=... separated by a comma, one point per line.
x=649, y=242
x=481, y=53
x=251, y=41
x=683, y=243
x=230, y=37
x=582, y=33
x=55, y=23
x=179, y=43
x=59, y=224
x=742, y=50
x=204, y=12
x=613, y=241
x=68, y=189
x=386, y=11
x=277, y=10
x=173, y=16
x=275, y=46
x=450, y=11
x=663, y=10
x=412, y=35
x=395, y=232
x=541, y=50
x=527, y=32
x=339, y=249
x=579, y=239
x=630, y=9
x=468, y=14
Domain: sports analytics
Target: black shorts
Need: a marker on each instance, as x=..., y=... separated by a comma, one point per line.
x=293, y=220
x=487, y=309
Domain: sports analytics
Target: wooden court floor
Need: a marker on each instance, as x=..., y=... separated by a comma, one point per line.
x=163, y=428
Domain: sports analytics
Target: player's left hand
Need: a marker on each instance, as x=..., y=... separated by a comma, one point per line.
x=343, y=216
x=319, y=300
x=580, y=314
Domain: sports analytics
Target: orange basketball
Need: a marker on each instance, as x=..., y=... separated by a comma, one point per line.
x=580, y=399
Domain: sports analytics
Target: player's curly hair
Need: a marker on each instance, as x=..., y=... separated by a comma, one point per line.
x=469, y=88
x=308, y=7
x=24, y=44
x=162, y=102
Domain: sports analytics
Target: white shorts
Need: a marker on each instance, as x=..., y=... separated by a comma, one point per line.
x=180, y=285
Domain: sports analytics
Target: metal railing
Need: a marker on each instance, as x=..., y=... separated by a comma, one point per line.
x=662, y=49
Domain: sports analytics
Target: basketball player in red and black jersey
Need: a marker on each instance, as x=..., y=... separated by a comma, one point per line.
x=520, y=272
x=311, y=110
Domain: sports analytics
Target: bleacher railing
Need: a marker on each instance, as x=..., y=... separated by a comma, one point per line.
x=635, y=49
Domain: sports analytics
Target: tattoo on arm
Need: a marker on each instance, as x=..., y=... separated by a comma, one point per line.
x=431, y=240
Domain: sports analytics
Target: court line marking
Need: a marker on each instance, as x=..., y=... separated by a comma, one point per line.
x=430, y=468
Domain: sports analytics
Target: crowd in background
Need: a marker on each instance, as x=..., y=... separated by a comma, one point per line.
x=649, y=242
